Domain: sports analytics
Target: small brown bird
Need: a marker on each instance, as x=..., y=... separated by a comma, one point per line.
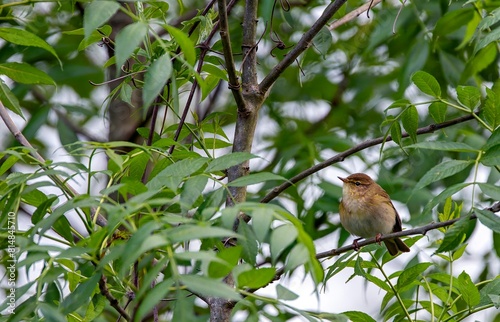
x=366, y=211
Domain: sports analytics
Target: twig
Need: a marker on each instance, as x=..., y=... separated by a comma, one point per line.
x=233, y=83
x=112, y=300
x=408, y=232
x=205, y=48
x=303, y=44
x=353, y=14
x=366, y=144
x=18, y=135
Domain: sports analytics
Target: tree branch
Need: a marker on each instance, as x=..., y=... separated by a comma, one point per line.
x=249, y=47
x=353, y=14
x=408, y=232
x=204, y=50
x=366, y=144
x=304, y=43
x=112, y=300
x=233, y=83
x=62, y=184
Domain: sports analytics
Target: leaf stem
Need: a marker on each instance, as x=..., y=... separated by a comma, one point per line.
x=398, y=297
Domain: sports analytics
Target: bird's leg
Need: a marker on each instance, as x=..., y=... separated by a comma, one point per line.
x=377, y=238
x=355, y=244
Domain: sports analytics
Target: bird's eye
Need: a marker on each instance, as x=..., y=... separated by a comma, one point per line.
x=357, y=183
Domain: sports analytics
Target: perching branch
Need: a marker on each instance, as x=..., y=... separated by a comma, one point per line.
x=366, y=144
x=303, y=44
x=408, y=232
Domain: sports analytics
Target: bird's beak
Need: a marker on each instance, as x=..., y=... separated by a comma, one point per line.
x=343, y=179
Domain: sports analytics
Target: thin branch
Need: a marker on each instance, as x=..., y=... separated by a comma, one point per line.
x=366, y=144
x=204, y=50
x=233, y=83
x=303, y=44
x=112, y=300
x=18, y=135
x=353, y=14
x=408, y=232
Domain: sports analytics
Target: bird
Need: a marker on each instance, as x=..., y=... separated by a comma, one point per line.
x=366, y=210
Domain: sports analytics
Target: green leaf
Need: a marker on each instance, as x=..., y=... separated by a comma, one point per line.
x=437, y=110
x=63, y=228
x=490, y=190
x=285, y=294
x=97, y=13
x=81, y=295
x=448, y=192
x=9, y=100
x=492, y=156
x=491, y=19
x=51, y=313
x=323, y=41
x=443, y=146
x=484, y=58
x=491, y=288
x=191, y=232
x=410, y=121
x=261, y=222
x=411, y=275
x=67, y=136
x=426, y=83
x=95, y=37
x=491, y=108
x=469, y=96
x=453, y=20
x=455, y=235
x=298, y=256
x=443, y=170
x=228, y=160
x=493, y=140
x=25, y=74
x=209, y=287
x=256, y=278
x=185, y=43
x=250, y=246
x=128, y=40
x=214, y=71
x=153, y=297
x=26, y=38
x=377, y=281
x=94, y=311
x=357, y=316
x=489, y=219
x=155, y=79
x=488, y=39
x=396, y=133
x=192, y=190
x=230, y=257
x=281, y=238
x=468, y=290
x=173, y=175
x=255, y=178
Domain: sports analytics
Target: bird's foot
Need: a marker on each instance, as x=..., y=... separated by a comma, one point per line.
x=378, y=237
x=355, y=244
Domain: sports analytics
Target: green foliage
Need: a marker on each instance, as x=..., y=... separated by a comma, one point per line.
x=153, y=225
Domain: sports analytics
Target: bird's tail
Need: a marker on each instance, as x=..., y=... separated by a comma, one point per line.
x=395, y=245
